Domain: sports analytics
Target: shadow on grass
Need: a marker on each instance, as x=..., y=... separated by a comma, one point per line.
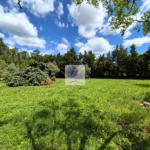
x=143, y=85
x=42, y=130
x=80, y=126
x=2, y=123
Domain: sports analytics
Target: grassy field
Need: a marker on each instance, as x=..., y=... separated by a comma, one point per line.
x=103, y=114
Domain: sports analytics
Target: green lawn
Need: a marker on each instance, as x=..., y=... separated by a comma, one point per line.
x=102, y=114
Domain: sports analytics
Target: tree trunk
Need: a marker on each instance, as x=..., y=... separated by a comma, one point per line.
x=109, y=73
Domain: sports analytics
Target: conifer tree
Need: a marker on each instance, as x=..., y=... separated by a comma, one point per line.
x=33, y=75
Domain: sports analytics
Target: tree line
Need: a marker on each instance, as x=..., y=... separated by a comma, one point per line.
x=116, y=64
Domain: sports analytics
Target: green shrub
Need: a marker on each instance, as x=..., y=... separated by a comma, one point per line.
x=3, y=64
x=7, y=70
x=87, y=71
x=32, y=75
x=106, y=74
x=147, y=97
x=4, y=73
x=53, y=67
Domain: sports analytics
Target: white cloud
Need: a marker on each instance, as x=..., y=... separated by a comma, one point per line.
x=136, y=41
x=6, y=9
x=16, y=23
x=19, y=28
x=61, y=25
x=89, y=19
x=53, y=42
x=41, y=28
x=48, y=52
x=23, y=41
x=59, y=10
x=72, y=25
x=62, y=48
x=77, y=39
x=29, y=51
x=9, y=41
x=37, y=7
x=79, y=44
x=65, y=41
x=67, y=25
x=145, y=6
x=97, y=45
x=2, y=35
x=10, y=47
x=107, y=30
x=14, y=10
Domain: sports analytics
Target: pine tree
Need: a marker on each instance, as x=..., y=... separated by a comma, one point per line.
x=33, y=75
x=134, y=59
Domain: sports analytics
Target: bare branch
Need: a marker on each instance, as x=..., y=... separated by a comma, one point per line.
x=141, y=20
x=19, y=4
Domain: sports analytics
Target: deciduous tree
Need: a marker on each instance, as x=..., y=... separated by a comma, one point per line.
x=124, y=12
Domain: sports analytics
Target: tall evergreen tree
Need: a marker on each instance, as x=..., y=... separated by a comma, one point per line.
x=101, y=68
x=134, y=60
x=61, y=64
x=24, y=55
x=80, y=58
x=3, y=50
x=14, y=53
x=90, y=62
x=85, y=57
x=140, y=64
x=109, y=63
x=70, y=57
x=146, y=62
x=122, y=59
x=35, y=54
x=116, y=58
x=19, y=59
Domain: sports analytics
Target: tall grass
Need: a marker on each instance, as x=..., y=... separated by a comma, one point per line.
x=102, y=114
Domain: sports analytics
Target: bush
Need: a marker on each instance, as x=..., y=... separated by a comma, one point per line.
x=3, y=64
x=53, y=67
x=147, y=97
x=7, y=70
x=33, y=75
x=4, y=73
x=87, y=71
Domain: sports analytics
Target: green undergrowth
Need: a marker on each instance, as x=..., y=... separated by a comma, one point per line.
x=103, y=114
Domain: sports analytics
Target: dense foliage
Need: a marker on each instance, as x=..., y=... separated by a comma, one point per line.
x=53, y=66
x=32, y=75
x=118, y=63
x=123, y=14
x=6, y=70
x=147, y=97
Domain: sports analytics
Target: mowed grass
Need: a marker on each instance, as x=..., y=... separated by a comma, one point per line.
x=103, y=114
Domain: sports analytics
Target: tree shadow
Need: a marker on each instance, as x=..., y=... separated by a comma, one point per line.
x=143, y=85
x=79, y=126
x=129, y=131
x=42, y=129
x=2, y=123
x=107, y=140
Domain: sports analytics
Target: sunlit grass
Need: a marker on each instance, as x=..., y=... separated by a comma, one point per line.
x=102, y=114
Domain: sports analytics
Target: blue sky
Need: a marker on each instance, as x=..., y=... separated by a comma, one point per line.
x=55, y=26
